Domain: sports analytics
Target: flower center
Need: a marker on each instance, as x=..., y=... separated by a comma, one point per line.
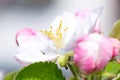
x=56, y=35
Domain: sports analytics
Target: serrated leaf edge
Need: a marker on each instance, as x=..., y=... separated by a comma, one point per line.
x=14, y=78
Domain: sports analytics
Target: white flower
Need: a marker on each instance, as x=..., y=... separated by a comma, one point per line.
x=46, y=45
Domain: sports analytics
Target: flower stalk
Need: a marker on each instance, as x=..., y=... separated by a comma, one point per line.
x=74, y=71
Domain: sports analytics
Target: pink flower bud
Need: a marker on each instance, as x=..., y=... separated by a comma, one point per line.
x=93, y=52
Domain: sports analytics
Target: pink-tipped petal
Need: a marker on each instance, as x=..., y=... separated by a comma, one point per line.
x=96, y=27
x=27, y=38
x=82, y=13
x=25, y=32
x=95, y=16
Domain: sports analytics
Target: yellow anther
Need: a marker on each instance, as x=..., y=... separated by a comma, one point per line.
x=66, y=29
x=56, y=35
x=50, y=27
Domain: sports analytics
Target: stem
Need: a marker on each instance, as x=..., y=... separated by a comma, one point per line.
x=90, y=77
x=74, y=71
x=96, y=77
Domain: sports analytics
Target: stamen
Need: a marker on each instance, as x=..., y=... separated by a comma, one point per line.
x=56, y=35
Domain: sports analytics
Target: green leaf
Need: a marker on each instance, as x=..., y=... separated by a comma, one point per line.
x=113, y=67
x=9, y=76
x=115, y=32
x=40, y=71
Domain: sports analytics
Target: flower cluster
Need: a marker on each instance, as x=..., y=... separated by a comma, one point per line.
x=78, y=33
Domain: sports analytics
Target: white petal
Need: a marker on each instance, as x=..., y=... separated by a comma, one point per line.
x=27, y=38
x=31, y=55
x=82, y=27
x=95, y=14
x=69, y=21
x=38, y=42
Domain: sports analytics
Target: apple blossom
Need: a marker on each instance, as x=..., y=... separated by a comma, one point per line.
x=94, y=51
x=37, y=46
